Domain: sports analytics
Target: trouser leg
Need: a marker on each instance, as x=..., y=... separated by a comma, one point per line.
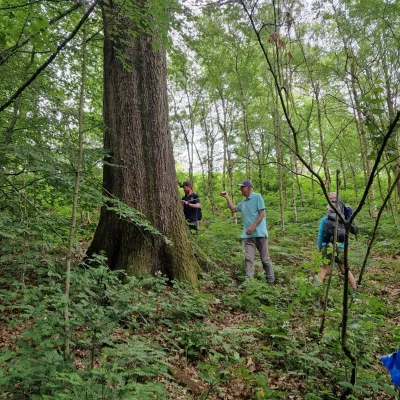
x=250, y=252
x=193, y=226
x=262, y=247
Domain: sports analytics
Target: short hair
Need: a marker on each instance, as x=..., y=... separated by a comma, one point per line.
x=187, y=183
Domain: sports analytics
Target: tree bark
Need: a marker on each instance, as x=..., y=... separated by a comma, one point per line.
x=140, y=169
x=78, y=166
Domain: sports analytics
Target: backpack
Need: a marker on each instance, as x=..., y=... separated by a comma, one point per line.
x=348, y=212
x=329, y=229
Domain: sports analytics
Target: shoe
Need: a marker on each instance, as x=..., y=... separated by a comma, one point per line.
x=316, y=281
x=353, y=294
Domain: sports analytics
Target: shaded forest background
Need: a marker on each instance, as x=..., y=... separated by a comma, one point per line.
x=301, y=98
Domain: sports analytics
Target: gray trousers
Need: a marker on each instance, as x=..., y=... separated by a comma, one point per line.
x=261, y=244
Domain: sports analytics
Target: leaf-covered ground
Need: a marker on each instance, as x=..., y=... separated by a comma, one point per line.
x=229, y=339
x=260, y=341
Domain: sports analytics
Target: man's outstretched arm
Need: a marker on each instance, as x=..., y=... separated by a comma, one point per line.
x=229, y=201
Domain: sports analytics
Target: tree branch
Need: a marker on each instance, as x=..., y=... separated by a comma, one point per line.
x=50, y=59
x=392, y=126
x=371, y=242
x=13, y=49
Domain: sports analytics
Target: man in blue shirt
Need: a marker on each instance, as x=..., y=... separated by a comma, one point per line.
x=254, y=233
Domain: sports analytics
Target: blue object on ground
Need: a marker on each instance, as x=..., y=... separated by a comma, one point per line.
x=392, y=363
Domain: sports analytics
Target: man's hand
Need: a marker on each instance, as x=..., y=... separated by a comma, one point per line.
x=224, y=194
x=185, y=203
x=250, y=230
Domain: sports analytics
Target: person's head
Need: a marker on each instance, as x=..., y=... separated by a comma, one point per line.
x=332, y=196
x=187, y=187
x=246, y=187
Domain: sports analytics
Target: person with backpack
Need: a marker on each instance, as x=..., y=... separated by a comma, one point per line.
x=346, y=211
x=254, y=233
x=191, y=206
x=325, y=239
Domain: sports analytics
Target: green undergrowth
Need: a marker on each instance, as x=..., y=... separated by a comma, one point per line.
x=239, y=338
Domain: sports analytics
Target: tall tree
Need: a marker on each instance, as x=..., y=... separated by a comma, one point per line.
x=140, y=169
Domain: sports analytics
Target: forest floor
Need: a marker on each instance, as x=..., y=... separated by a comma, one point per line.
x=238, y=339
x=261, y=341
x=275, y=329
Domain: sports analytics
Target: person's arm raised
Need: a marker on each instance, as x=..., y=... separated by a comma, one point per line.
x=229, y=201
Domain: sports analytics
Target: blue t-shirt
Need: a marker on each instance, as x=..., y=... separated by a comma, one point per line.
x=250, y=208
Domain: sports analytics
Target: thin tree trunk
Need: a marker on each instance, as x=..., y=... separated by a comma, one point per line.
x=246, y=131
x=321, y=136
x=210, y=146
x=228, y=161
x=363, y=139
x=391, y=207
x=192, y=130
x=293, y=180
x=78, y=172
x=222, y=127
x=279, y=159
x=343, y=173
x=311, y=157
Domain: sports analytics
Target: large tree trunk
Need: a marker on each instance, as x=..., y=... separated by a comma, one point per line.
x=140, y=170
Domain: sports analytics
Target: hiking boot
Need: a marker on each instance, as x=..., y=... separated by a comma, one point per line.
x=314, y=280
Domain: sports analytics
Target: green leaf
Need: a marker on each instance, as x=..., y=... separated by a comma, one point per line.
x=366, y=99
x=377, y=111
x=346, y=385
x=389, y=389
x=378, y=101
x=377, y=90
